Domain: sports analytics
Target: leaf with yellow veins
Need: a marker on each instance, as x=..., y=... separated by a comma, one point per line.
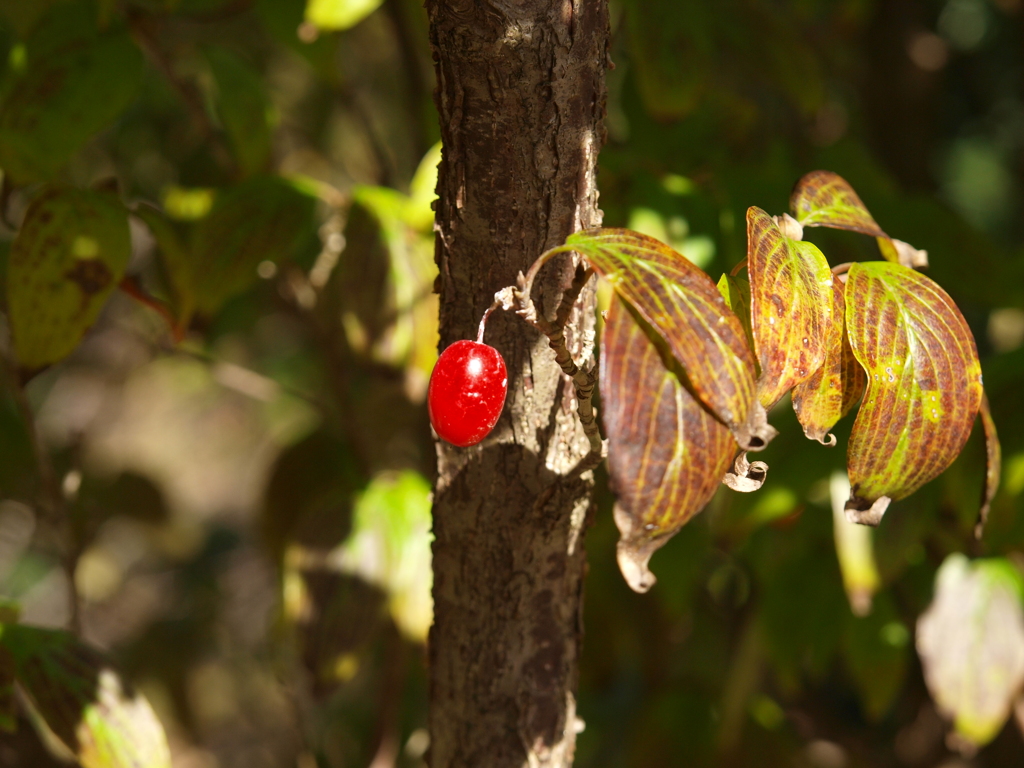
x=825, y=199
x=684, y=307
x=666, y=453
x=791, y=307
x=836, y=386
x=924, y=384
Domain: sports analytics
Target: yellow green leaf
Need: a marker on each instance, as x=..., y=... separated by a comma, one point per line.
x=390, y=547
x=924, y=384
x=685, y=308
x=70, y=253
x=791, y=307
x=666, y=453
x=339, y=14
x=83, y=701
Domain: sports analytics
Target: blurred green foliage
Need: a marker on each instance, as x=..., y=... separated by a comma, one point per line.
x=243, y=449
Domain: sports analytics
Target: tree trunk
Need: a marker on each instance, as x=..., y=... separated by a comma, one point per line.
x=521, y=100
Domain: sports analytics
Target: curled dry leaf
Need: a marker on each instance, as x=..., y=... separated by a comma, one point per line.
x=684, y=307
x=924, y=383
x=791, y=307
x=836, y=386
x=746, y=476
x=971, y=643
x=666, y=453
x=825, y=199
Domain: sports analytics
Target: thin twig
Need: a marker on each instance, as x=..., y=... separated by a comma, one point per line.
x=584, y=379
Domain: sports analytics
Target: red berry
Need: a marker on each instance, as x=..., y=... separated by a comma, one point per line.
x=467, y=392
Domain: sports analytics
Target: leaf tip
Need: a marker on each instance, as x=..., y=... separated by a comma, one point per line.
x=634, y=551
x=756, y=433
x=864, y=512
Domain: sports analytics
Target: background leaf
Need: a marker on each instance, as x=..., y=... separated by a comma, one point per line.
x=687, y=310
x=971, y=643
x=243, y=107
x=791, y=307
x=263, y=219
x=62, y=100
x=339, y=14
x=70, y=253
x=924, y=381
x=84, y=702
x=666, y=454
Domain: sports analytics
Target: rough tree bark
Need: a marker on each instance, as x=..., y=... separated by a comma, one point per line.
x=521, y=100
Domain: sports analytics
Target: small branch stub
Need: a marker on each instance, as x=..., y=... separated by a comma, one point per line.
x=863, y=512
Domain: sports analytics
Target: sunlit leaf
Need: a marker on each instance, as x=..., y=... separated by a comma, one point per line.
x=924, y=384
x=64, y=99
x=339, y=14
x=837, y=385
x=993, y=464
x=419, y=211
x=84, y=702
x=736, y=292
x=666, y=453
x=971, y=643
x=243, y=107
x=876, y=648
x=69, y=254
x=390, y=547
x=824, y=199
x=684, y=306
x=791, y=307
x=263, y=219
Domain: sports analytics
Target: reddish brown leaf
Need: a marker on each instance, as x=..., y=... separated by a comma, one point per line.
x=684, y=307
x=924, y=383
x=790, y=308
x=666, y=453
x=836, y=386
x=825, y=199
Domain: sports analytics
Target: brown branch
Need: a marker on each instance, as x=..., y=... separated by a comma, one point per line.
x=131, y=285
x=50, y=502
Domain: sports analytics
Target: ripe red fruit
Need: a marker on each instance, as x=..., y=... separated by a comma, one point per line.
x=467, y=392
